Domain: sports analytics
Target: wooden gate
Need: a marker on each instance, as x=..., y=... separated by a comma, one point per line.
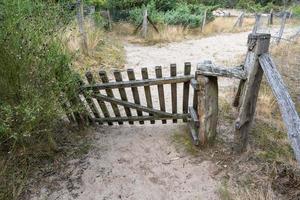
x=200, y=105
x=101, y=95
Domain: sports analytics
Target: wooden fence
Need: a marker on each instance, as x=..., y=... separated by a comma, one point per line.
x=201, y=111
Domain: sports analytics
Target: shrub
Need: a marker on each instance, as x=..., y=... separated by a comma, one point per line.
x=183, y=14
x=136, y=14
x=188, y=15
x=34, y=70
x=296, y=10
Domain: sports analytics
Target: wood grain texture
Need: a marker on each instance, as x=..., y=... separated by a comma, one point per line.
x=207, y=108
x=173, y=73
x=138, y=83
x=186, y=88
x=91, y=104
x=147, y=91
x=138, y=107
x=257, y=43
x=213, y=70
x=161, y=94
x=102, y=105
x=135, y=92
x=109, y=92
x=122, y=91
x=285, y=102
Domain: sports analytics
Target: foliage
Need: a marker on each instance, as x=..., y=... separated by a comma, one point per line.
x=183, y=14
x=136, y=15
x=296, y=10
x=34, y=70
x=257, y=6
x=188, y=14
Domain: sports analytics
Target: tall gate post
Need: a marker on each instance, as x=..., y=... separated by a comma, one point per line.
x=207, y=105
x=257, y=45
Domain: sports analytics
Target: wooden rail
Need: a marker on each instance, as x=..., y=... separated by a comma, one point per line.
x=138, y=83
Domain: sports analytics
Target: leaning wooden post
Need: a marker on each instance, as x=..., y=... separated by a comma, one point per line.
x=207, y=105
x=145, y=23
x=239, y=21
x=257, y=45
x=285, y=102
x=283, y=21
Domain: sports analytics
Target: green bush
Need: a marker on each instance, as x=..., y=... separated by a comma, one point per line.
x=257, y=6
x=296, y=10
x=188, y=15
x=34, y=70
x=183, y=14
x=136, y=14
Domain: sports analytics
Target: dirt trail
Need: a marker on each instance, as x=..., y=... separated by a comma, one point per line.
x=143, y=162
x=222, y=49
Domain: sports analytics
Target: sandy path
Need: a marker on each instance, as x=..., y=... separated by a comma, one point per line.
x=222, y=49
x=142, y=162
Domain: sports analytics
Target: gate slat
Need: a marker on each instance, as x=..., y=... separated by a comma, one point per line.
x=195, y=99
x=147, y=91
x=135, y=92
x=186, y=89
x=102, y=105
x=160, y=88
x=144, y=118
x=109, y=92
x=173, y=73
x=91, y=104
x=155, y=112
x=122, y=91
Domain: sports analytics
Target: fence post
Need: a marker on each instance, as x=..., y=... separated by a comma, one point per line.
x=239, y=21
x=80, y=19
x=270, y=20
x=204, y=21
x=109, y=20
x=145, y=23
x=256, y=25
x=207, y=106
x=257, y=45
x=283, y=21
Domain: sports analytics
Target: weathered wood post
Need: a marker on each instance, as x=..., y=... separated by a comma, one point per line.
x=109, y=20
x=283, y=21
x=257, y=45
x=240, y=20
x=285, y=102
x=204, y=20
x=207, y=105
x=257, y=22
x=145, y=23
x=270, y=19
x=80, y=19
